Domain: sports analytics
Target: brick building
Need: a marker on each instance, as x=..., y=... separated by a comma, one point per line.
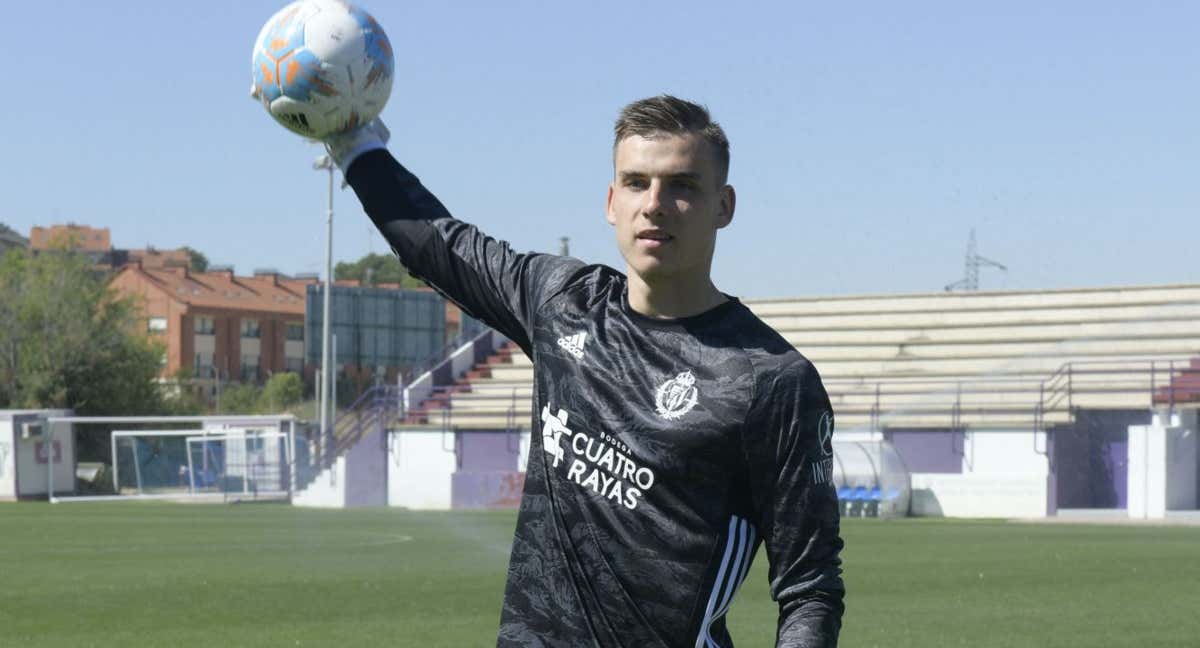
x=245, y=328
x=96, y=244
x=9, y=239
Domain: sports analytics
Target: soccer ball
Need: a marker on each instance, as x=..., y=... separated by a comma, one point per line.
x=322, y=67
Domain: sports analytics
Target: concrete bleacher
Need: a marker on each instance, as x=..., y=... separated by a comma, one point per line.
x=997, y=359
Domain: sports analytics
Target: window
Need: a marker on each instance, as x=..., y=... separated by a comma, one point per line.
x=295, y=331
x=158, y=324
x=250, y=329
x=204, y=365
x=294, y=365
x=249, y=368
x=205, y=326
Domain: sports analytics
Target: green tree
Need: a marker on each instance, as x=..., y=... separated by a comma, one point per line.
x=199, y=262
x=67, y=341
x=282, y=390
x=374, y=269
x=183, y=396
x=240, y=398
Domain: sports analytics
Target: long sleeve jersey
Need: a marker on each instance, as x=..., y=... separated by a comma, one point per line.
x=663, y=451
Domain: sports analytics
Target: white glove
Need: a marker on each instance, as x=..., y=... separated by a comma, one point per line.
x=344, y=148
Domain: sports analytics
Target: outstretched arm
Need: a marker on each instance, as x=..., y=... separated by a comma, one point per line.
x=484, y=276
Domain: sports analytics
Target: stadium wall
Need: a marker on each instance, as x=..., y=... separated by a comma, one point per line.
x=327, y=490
x=981, y=473
x=420, y=469
x=1164, y=462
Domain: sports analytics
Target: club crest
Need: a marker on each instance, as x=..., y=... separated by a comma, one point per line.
x=677, y=396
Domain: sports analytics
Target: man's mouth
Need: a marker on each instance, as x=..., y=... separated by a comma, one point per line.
x=654, y=238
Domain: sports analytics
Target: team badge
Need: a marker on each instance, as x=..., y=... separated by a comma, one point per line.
x=677, y=396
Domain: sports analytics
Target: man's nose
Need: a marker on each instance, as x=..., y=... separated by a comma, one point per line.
x=653, y=205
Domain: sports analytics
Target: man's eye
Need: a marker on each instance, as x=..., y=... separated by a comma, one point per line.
x=636, y=183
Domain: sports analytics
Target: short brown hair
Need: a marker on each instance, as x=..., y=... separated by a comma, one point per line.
x=669, y=115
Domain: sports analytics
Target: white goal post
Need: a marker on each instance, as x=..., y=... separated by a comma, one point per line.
x=195, y=457
x=248, y=462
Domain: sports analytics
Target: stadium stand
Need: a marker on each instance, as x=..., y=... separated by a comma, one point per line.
x=957, y=360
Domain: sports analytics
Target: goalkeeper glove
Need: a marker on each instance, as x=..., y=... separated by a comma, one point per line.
x=344, y=148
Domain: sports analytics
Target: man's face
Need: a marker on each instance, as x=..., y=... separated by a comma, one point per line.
x=666, y=206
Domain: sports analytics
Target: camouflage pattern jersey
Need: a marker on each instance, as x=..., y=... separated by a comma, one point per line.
x=663, y=452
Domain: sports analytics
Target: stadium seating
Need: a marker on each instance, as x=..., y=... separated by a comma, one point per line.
x=939, y=360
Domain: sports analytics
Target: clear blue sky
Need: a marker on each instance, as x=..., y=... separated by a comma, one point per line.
x=868, y=138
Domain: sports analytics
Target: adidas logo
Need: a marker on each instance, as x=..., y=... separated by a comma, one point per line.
x=573, y=344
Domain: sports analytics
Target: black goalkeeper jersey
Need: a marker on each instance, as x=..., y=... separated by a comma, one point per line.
x=663, y=451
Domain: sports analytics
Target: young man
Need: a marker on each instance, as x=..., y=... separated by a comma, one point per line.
x=677, y=430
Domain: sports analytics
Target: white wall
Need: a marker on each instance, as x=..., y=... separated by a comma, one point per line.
x=1004, y=452
x=1003, y=475
x=856, y=434
x=462, y=360
x=523, y=451
x=328, y=490
x=8, y=461
x=420, y=468
x=979, y=495
x=1162, y=466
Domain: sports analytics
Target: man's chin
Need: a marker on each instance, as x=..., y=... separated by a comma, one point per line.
x=652, y=270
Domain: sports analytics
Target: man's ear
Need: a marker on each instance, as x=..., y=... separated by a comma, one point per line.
x=728, y=202
x=608, y=208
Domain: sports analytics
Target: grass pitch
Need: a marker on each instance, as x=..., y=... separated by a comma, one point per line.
x=149, y=574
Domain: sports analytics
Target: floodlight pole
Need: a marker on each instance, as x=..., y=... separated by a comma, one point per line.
x=326, y=163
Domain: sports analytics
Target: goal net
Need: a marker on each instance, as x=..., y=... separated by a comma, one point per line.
x=238, y=464
x=235, y=463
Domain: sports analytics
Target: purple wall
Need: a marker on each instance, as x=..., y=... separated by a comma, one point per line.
x=487, y=474
x=366, y=471
x=488, y=451
x=495, y=489
x=928, y=451
x=1089, y=459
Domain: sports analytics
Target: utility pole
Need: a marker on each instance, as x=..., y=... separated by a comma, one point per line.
x=325, y=163
x=970, y=280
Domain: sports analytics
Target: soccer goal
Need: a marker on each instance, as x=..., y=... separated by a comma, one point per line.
x=215, y=458
x=233, y=463
x=252, y=465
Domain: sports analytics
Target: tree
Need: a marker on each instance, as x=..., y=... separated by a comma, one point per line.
x=67, y=341
x=281, y=392
x=374, y=269
x=199, y=262
x=240, y=398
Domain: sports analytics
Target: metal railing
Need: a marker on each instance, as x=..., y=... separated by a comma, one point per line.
x=1150, y=381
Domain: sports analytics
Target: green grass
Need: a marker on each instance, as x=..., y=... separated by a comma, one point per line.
x=141, y=574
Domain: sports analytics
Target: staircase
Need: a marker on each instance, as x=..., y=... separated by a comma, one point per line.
x=437, y=407
x=1183, y=385
x=373, y=411
x=349, y=467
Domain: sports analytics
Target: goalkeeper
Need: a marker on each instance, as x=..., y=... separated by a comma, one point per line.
x=678, y=431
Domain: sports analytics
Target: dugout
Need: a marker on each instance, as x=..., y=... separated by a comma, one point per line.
x=28, y=447
x=871, y=479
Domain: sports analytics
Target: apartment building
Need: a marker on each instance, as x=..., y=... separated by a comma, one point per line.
x=9, y=239
x=96, y=244
x=219, y=325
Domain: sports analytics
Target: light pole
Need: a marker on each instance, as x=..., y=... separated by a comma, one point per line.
x=325, y=163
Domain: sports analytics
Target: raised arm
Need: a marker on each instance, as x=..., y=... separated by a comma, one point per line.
x=482, y=275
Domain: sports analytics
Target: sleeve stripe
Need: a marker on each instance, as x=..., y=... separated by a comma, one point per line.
x=739, y=544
